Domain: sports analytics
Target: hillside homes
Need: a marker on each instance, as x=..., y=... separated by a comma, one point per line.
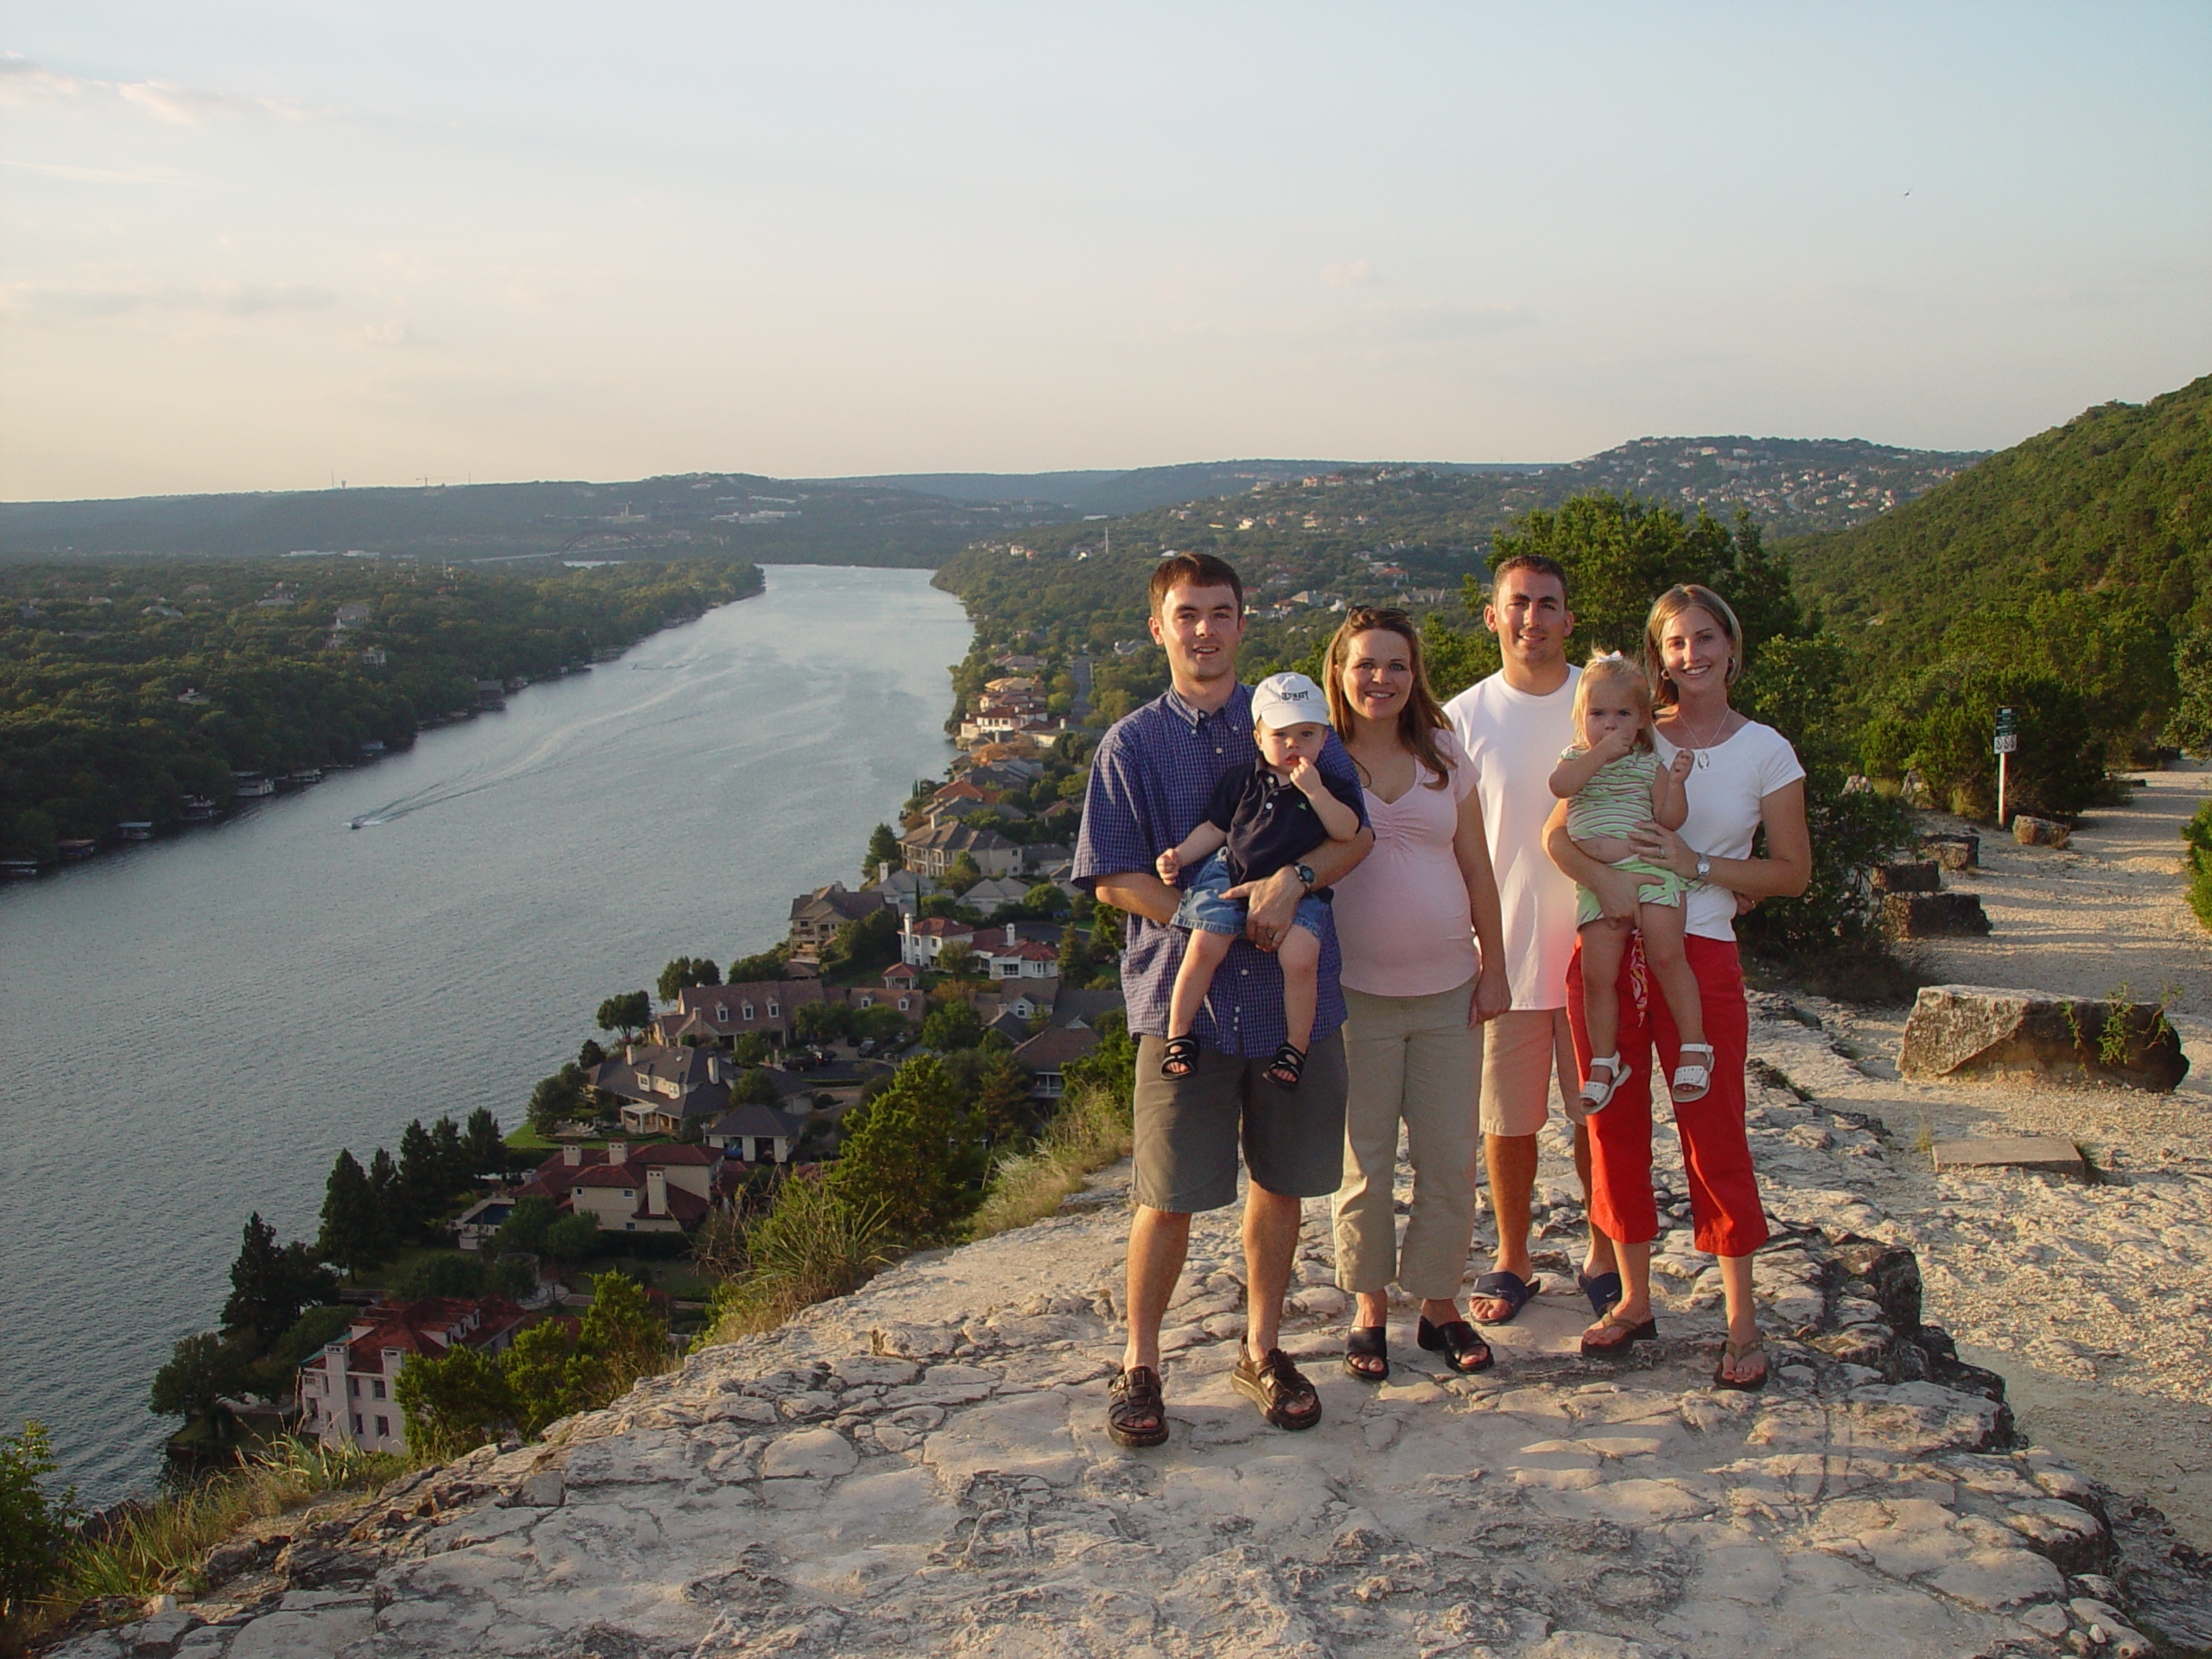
x=661, y=1188
x=817, y=916
x=345, y=1391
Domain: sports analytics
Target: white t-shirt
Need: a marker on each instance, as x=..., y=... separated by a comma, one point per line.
x=1514, y=740
x=1725, y=793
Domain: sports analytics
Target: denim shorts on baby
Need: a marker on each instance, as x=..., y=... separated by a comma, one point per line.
x=1204, y=910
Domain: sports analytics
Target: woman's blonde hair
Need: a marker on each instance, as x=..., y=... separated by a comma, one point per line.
x=1611, y=668
x=1684, y=596
x=1422, y=717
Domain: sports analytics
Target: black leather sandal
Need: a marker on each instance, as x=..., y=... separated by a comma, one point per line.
x=1369, y=1342
x=1462, y=1346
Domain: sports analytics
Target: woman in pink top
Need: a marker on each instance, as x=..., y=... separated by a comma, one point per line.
x=1415, y=994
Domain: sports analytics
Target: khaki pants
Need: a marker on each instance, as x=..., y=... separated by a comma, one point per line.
x=1412, y=1060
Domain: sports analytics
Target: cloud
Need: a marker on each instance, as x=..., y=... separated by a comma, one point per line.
x=98, y=174
x=1356, y=273
x=224, y=299
x=25, y=83
x=190, y=106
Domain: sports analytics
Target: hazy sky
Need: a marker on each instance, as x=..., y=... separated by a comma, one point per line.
x=267, y=245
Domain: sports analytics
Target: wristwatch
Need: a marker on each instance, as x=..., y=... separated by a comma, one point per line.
x=1304, y=872
x=1704, y=867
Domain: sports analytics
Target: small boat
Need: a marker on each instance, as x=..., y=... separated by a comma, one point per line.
x=76, y=848
x=248, y=785
x=136, y=830
x=305, y=775
x=18, y=869
x=198, y=808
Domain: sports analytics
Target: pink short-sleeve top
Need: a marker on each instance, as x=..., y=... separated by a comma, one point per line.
x=1403, y=920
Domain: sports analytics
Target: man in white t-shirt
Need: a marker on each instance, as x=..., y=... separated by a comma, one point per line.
x=1514, y=725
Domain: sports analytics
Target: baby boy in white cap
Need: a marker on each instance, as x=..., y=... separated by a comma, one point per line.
x=1264, y=817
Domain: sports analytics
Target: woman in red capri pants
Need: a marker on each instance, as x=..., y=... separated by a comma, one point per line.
x=1744, y=777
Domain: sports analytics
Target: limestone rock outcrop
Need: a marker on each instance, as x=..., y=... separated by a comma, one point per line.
x=1979, y=1031
x=922, y=1468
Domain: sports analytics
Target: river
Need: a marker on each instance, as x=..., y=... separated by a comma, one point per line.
x=191, y=1029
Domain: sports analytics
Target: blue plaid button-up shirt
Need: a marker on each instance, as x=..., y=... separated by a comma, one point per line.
x=1150, y=781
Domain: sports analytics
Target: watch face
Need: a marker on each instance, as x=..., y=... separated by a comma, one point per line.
x=1304, y=873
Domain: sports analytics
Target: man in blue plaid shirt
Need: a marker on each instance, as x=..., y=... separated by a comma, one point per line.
x=1150, y=782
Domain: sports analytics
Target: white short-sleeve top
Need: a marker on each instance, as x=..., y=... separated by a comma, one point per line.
x=1724, y=791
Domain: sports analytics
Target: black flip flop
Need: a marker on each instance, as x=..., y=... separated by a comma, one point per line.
x=1603, y=1289
x=1508, y=1287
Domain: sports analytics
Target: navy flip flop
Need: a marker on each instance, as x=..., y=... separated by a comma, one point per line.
x=1508, y=1287
x=1603, y=1289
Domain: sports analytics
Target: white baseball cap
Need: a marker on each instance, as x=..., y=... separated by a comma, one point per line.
x=1289, y=700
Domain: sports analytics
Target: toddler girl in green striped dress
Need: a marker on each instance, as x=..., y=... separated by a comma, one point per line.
x=1612, y=783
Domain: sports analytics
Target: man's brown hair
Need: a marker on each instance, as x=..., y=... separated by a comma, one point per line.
x=1535, y=562
x=1194, y=570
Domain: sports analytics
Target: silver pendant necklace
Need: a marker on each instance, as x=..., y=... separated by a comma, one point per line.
x=1700, y=745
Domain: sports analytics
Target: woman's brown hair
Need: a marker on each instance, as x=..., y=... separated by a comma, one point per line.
x=1422, y=717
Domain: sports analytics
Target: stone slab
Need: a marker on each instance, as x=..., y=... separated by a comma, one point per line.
x=2044, y=1152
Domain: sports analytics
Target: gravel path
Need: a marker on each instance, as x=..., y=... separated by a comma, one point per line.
x=2094, y=1302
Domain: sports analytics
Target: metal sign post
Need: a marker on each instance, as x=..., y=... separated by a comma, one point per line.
x=2008, y=739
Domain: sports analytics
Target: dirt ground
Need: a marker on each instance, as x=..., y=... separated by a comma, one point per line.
x=2094, y=1302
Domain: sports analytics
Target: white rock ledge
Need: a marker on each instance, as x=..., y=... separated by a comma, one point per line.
x=923, y=1468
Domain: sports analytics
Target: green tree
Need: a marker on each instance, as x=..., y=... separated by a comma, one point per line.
x=275, y=1372
x=750, y=1049
x=962, y=872
x=767, y=965
x=352, y=1224
x=454, y=1402
x=628, y=1013
x=869, y=941
x=952, y=1025
x=905, y=1155
x=384, y=1186
x=621, y=1340
x=442, y=1275
x=824, y=1022
x=525, y=1229
x=535, y=1366
x=956, y=959
x=270, y=1284
x=34, y=1523
x=572, y=1238
x=879, y=1022
x=201, y=1368
x=556, y=1100
x=753, y=1087
x=884, y=853
x=2190, y=728
x=483, y=1147
x=999, y=1108
x=421, y=1187
x=1044, y=901
x=455, y=1170
x=686, y=971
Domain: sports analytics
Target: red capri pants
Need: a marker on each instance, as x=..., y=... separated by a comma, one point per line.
x=1724, y=1207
